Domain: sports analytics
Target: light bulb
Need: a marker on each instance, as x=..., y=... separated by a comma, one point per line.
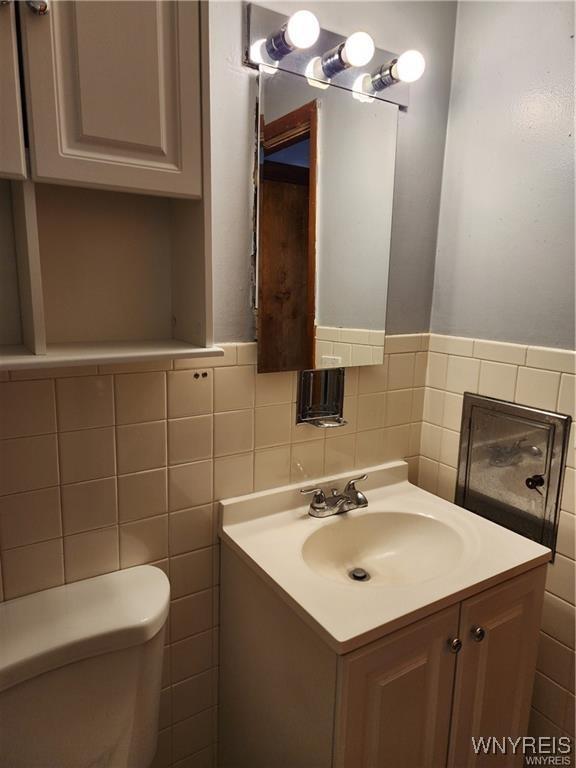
x=361, y=89
x=315, y=75
x=259, y=56
x=358, y=49
x=409, y=67
x=302, y=30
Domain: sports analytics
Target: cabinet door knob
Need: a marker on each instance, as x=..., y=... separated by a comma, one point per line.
x=454, y=645
x=39, y=7
x=478, y=633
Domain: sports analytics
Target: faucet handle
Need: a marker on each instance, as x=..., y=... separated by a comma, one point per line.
x=351, y=484
x=319, y=498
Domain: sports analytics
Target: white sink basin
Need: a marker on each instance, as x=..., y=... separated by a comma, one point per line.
x=421, y=552
x=390, y=547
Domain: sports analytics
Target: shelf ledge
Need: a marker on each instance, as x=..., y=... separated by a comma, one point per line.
x=20, y=358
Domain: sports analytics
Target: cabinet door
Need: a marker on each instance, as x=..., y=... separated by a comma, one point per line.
x=494, y=677
x=12, y=158
x=113, y=92
x=395, y=698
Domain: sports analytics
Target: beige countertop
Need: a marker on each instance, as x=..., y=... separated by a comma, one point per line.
x=443, y=555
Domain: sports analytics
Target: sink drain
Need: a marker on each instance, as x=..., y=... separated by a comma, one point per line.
x=359, y=574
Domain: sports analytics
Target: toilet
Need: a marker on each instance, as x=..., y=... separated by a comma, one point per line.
x=80, y=672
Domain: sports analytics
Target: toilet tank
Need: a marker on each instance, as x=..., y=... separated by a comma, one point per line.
x=80, y=672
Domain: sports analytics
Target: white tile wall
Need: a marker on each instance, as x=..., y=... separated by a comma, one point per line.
x=337, y=347
x=531, y=376
x=129, y=469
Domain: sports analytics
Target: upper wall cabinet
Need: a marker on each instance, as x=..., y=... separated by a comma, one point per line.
x=113, y=102
x=113, y=95
x=12, y=158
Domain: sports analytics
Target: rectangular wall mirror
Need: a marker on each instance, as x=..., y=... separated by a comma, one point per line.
x=324, y=210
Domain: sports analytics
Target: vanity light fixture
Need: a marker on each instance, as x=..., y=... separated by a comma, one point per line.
x=301, y=31
x=407, y=68
x=356, y=51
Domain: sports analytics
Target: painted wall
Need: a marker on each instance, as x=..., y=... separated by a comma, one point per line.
x=428, y=26
x=505, y=260
x=233, y=121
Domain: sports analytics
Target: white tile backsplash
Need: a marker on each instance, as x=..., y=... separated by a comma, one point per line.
x=344, y=347
x=371, y=412
x=500, y=352
x=462, y=374
x=567, y=395
x=271, y=467
x=436, y=370
x=537, y=377
x=361, y=354
x=497, y=380
x=27, y=408
x=537, y=388
x=451, y=345
x=562, y=360
x=136, y=482
x=272, y=425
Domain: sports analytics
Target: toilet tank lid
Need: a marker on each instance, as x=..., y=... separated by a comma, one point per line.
x=49, y=629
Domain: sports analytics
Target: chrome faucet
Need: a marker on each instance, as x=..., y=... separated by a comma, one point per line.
x=326, y=506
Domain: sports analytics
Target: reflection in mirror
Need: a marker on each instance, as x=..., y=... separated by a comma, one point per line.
x=325, y=186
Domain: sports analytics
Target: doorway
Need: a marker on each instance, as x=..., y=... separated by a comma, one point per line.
x=287, y=242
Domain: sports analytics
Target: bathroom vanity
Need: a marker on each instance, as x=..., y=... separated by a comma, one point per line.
x=402, y=669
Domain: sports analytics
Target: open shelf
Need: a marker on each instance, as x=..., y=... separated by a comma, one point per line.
x=18, y=357
x=93, y=276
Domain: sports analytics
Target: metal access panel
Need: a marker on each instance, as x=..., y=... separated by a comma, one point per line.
x=511, y=465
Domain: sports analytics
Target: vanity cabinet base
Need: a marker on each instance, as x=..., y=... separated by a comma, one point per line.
x=407, y=700
x=277, y=678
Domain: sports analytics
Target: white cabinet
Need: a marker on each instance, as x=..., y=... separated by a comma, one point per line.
x=396, y=697
x=102, y=277
x=402, y=696
x=93, y=274
x=495, y=670
x=12, y=158
x=412, y=699
x=113, y=95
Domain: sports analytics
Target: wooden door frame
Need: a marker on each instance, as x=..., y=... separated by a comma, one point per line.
x=281, y=133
